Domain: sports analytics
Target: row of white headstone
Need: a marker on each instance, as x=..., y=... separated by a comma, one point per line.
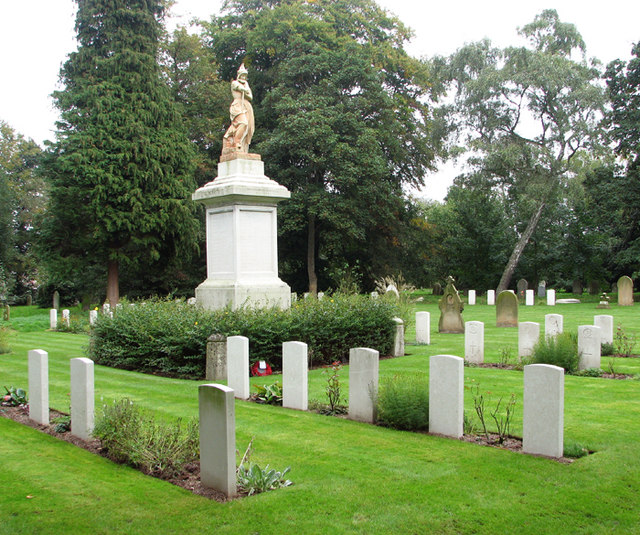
x=529, y=297
x=82, y=392
x=543, y=402
x=590, y=338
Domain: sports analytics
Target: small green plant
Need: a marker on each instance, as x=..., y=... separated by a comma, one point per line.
x=333, y=388
x=624, y=343
x=14, y=397
x=589, y=372
x=252, y=479
x=268, y=394
x=468, y=425
x=478, y=405
x=575, y=450
x=75, y=325
x=505, y=358
x=132, y=436
x=560, y=350
x=503, y=419
x=62, y=424
x=606, y=349
x=403, y=403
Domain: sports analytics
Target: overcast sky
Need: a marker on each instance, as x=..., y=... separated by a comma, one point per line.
x=37, y=35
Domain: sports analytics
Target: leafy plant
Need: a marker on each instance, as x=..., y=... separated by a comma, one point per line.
x=503, y=419
x=403, y=403
x=62, y=423
x=268, y=394
x=606, y=349
x=333, y=388
x=132, y=436
x=624, y=343
x=505, y=357
x=560, y=350
x=253, y=480
x=14, y=397
x=468, y=424
x=589, y=372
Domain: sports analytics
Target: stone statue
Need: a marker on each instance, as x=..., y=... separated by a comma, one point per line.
x=451, y=308
x=238, y=135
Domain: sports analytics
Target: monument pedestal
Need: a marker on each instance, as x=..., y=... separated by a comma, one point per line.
x=242, y=238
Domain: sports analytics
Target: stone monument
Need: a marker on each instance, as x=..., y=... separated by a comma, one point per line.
x=507, y=310
x=625, y=291
x=450, y=310
x=241, y=219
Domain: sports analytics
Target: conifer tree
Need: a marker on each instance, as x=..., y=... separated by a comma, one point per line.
x=120, y=170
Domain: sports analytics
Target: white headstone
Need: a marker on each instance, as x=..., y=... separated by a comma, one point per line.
x=106, y=308
x=528, y=336
x=543, y=410
x=551, y=297
x=82, y=397
x=472, y=297
x=295, y=366
x=423, y=328
x=398, y=340
x=474, y=342
x=294, y=297
x=66, y=317
x=363, y=384
x=589, y=347
x=374, y=295
x=529, y=298
x=217, y=438
x=39, y=386
x=93, y=317
x=320, y=295
x=491, y=297
x=238, y=365
x=446, y=395
x=553, y=325
x=190, y=301
x=605, y=323
x=53, y=319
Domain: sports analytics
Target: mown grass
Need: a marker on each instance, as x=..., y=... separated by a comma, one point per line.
x=349, y=477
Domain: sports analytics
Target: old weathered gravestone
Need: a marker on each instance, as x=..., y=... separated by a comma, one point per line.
x=6, y=313
x=29, y=300
x=522, y=287
x=542, y=289
x=216, y=363
x=450, y=310
x=56, y=300
x=625, y=291
x=594, y=287
x=437, y=289
x=507, y=310
x=577, y=287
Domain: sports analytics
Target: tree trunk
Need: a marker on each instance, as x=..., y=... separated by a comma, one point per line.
x=113, y=290
x=311, y=256
x=518, y=249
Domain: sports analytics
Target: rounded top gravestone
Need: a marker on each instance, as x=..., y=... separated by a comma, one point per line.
x=507, y=310
x=625, y=291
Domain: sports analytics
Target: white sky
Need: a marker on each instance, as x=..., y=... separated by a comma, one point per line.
x=37, y=35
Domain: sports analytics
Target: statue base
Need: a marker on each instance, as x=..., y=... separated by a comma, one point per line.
x=242, y=246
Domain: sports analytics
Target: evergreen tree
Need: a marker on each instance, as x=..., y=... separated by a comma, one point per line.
x=121, y=167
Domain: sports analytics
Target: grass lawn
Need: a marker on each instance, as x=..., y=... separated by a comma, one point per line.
x=348, y=477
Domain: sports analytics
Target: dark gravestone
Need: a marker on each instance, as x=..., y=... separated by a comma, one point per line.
x=594, y=287
x=56, y=300
x=450, y=310
x=577, y=287
x=507, y=310
x=522, y=287
x=542, y=289
x=437, y=289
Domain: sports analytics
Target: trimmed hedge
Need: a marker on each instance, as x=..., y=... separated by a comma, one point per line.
x=170, y=337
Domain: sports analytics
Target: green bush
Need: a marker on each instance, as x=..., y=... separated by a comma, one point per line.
x=132, y=436
x=560, y=350
x=403, y=403
x=170, y=337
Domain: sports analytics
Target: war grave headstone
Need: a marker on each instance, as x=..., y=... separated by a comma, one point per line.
x=446, y=395
x=491, y=297
x=528, y=336
x=553, y=325
x=474, y=342
x=507, y=310
x=551, y=297
x=423, y=327
x=451, y=308
x=589, y=348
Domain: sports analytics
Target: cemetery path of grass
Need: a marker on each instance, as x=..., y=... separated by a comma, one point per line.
x=348, y=477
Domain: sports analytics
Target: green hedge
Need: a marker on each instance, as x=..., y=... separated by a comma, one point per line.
x=170, y=337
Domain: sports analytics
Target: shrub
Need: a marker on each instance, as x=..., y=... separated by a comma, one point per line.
x=561, y=350
x=132, y=436
x=403, y=403
x=170, y=337
x=606, y=349
x=575, y=450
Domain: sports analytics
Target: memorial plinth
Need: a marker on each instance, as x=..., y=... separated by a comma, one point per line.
x=242, y=237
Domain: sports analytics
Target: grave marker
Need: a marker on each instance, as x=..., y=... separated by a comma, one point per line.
x=491, y=297
x=39, y=386
x=605, y=322
x=363, y=384
x=238, y=365
x=423, y=328
x=507, y=310
x=474, y=342
x=82, y=397
x=472, y=297
x=625, y=291
x=528, y=336
x=398, y=341
x=295, y=366
x=553, y=325
x=589, y=348
x=446, y=395
x=216, y=364
x=551, y=297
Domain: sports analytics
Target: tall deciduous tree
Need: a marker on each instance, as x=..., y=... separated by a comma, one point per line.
x=22, y=199
x=121, y=168
x=528, y=112
x=341, y=119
